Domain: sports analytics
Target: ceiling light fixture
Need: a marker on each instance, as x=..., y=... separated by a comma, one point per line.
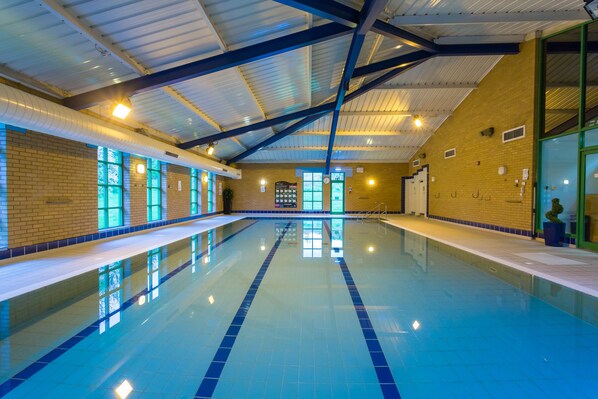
x=418, y=120
x=210, y=149
x=122, y=108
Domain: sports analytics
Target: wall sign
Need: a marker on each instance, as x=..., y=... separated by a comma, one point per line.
x=285, y=195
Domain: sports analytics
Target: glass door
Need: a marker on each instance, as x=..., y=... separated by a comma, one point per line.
x=337, y=193
x=587, y=226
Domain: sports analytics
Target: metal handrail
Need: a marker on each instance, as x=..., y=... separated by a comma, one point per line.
x=375, y=211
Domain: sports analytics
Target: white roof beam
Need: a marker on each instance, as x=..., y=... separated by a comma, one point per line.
x=491, y=17
x=98, y=39
x=451, y=85
x=201, y=8
x=341, y=148
x=364, y=133
x=32, y=83
x=480, y=39
x=430, y=114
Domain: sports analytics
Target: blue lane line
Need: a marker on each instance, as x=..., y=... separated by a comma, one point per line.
x=9, y=385
x=212, y=376
x=385, y=378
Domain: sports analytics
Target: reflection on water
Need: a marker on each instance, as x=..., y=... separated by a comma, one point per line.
x=154, y=259
x=195, y=250
x=110, y=292
x=416, y=246
x=312, y=238
x=336, y=237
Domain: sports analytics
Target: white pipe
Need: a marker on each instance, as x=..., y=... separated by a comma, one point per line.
x=34, y=113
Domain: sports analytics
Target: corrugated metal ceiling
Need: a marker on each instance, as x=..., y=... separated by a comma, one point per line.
x=154, y=35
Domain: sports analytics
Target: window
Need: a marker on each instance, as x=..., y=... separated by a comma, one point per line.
x=110, y=291
x=195, y=192
x=154, y=190
x=211, y=192
x=110, y=188
x=312, y=191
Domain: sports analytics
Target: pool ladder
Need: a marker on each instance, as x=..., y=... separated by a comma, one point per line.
x=379, y=212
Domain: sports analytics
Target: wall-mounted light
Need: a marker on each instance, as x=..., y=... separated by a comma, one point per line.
x=371, y=182
x=204, y=178
x=122, y=108
x=210, y=149
x=262, y=182
x=140, y=168
x=418, y=120
x=371, y=249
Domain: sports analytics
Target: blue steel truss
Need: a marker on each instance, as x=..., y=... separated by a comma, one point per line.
x=371, y=9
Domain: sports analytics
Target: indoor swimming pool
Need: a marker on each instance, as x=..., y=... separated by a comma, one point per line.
x=300, y=308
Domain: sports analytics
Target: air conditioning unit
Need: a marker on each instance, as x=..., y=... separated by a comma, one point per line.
x=416, y=163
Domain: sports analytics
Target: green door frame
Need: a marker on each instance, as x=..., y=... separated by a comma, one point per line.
x=332, y=183
x=581, y=226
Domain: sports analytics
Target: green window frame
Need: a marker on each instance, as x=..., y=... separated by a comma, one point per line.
x=195, y=192
x=110, y=188
x=211, y=192
x=313, y=191
x=154, y=190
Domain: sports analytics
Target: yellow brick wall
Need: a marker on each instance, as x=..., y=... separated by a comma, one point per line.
x=52, y=188
x=387, y=188
x=503, y=100
x=178, y=202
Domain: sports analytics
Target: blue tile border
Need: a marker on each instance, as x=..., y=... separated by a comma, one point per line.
x=65, y=242
x=212, y=376
x=9, y=385
x=383, y=372
x=510, y=230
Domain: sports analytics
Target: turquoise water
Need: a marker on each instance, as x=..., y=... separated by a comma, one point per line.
x=295, y=309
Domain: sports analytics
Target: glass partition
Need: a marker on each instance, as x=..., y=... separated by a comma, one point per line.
x=559, y=178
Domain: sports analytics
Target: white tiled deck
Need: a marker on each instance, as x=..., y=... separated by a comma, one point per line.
x=571, y=267
x=574, y=268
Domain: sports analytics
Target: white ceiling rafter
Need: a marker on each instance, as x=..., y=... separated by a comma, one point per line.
x=341, y=148
x=99, y=40
x=490, y=17
x=448, y=85
x=201, y=8
x=365, y=133
x=425, y=113
x=32, y=83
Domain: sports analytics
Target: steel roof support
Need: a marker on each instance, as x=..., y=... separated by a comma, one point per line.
x=208, y=65
x=348, y=16
x=371, y=9
x=295, y=127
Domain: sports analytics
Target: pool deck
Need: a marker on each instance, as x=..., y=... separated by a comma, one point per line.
x=571, y=267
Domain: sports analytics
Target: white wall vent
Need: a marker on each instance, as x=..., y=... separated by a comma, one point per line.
x=416, y=163
x=450, y=153
x=513, y=134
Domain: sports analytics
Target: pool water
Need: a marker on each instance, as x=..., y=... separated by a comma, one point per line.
x=294, y=309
